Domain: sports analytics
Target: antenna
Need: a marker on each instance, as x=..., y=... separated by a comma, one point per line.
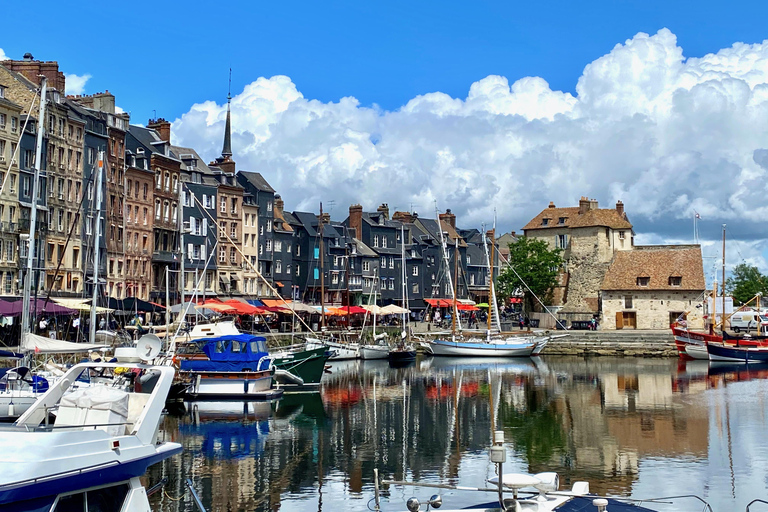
x=332, y=202
x=229, y=88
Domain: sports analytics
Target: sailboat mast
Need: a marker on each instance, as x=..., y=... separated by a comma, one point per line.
x=322, y=272
x=25, y=320
x=96, y=234
x=455, y=315
x=723, y=276
x=404, y=276
x=491, y=291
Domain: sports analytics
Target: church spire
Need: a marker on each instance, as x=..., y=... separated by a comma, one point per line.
x=226, y=151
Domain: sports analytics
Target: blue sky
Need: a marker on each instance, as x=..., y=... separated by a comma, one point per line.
x=670, y=115
x=165, y=56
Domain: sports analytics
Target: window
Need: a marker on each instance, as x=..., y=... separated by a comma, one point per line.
x=383, y=262
x=298, y=270
x=222, y=255
x=643, y=281
x=375, y=240
x=384, y=241
x=234, y=230
x=621, y=235
x=391, y=283
x=415, y=271
x=175, y=210
x=223, y=205
x=269, y=245
x=232, y=255
x=167, y=181
x=562, y=241
x=2, y=121
x=269, y=206
x=561, y=220
x=366, y=266
x=391, y=262
x=26, y=185
x=157, y=210
x=14, y=124
x=158, y=180
x=8, y=282
x=9, y=246
x=175, y=183
x=627, y=302
x=278, y=246
x=675, y=281
x=279, y=267
x=544, y=222
x=146, y=190
x=335, y=278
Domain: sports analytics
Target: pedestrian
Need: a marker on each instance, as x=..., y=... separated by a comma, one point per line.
x=437, y=317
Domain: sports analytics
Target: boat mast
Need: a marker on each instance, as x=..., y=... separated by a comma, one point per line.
x=322, y=273
x=404, y=333
x=96, y=234
x=455, y=315
x=26, y=328
x=447, y=264
x=491, y=294
x=722, y=327
x=346, y=275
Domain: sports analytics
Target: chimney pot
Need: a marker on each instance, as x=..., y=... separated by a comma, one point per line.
x=620, y=208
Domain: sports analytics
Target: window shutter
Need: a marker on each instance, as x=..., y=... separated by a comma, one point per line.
x=202, y=249
x=205, y=226
x=190, y=251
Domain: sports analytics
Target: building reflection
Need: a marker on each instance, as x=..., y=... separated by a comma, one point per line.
x=594, y=420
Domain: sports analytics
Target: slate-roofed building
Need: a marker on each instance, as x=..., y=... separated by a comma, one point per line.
x=440, y=275
x=282, y=253
x=589, y=237
x=259, y=197
x=649, y=287
x=199, y=216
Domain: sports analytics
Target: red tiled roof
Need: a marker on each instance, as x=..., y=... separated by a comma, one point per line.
x=658, y=264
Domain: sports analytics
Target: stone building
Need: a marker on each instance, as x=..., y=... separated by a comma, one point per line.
x=252, y=285
x=10, y=133
x=589, y=237
x=649, y=287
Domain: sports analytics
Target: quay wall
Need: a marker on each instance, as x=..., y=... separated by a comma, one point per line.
x=639, y=343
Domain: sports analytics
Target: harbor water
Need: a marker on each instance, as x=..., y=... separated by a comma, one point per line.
x=644, y=428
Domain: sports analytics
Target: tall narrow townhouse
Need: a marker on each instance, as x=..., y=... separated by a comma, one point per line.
x=103, y=104
x=10, y=134
x=139, y=214
x=95, y=140
x=22, y=89
x=166, y=263
x=230, y=201
x=199, y=207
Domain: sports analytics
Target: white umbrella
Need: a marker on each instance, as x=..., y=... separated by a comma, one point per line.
x=373, y=308
x=394, y=309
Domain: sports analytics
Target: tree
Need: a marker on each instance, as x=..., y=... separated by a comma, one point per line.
x=745, y=282
x=537, y=265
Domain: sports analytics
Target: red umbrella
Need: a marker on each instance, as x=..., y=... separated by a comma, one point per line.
x=244, y=309
x=352, y=310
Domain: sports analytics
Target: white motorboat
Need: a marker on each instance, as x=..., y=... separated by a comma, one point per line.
x=88, y=444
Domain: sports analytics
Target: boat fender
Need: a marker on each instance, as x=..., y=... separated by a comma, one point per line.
x=11, y=409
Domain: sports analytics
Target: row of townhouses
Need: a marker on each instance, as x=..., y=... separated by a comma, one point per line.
x=173, y=224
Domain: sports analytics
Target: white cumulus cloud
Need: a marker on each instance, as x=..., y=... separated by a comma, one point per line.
x=3, y=56
x=666, y=135
x=76, y=83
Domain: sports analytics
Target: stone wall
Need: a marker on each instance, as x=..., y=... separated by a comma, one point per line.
x=651, y=307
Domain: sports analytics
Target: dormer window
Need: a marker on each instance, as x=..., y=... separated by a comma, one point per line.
x=2, y=91
x=643, y=281
x=562, y=220
x=621, y=235
x=675, y=281
x=545, y=222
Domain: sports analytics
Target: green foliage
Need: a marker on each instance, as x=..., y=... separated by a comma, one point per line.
x=745, y=282
x=537, y=265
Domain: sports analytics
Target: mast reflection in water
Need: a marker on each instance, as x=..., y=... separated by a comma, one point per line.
x=631, y=427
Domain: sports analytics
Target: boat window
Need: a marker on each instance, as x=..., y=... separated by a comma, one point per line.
x=107, y=499
x=257, y=346
x=238, y=346
x=221, y=347
x=71, y=503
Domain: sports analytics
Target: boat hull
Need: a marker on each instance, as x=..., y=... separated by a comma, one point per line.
x=307, y=365
x=340, y=350
x=369, y=352
x=721, y=352
x=11, y=407
x=229, y=384
x=475, y=349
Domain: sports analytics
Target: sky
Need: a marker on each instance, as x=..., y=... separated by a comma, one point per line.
x=479, y=107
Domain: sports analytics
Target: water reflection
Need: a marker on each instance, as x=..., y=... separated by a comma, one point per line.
x=628, y=426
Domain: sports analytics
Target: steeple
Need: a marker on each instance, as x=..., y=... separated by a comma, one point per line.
x=226, y=151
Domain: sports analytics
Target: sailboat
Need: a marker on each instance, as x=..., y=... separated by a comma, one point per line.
x=379, y=347
x=719, y=346
x=517, y=346
x=404, y=352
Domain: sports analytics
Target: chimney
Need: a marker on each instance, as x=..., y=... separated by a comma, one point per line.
x=325, y=218
x=162, y=127
x=514, y=235
x=32, y=69
x=384, y=209
x=405, y=217
x=448, y=218
x=279, y=205
x=551, y=204
x=620, y=208
x=356, y=219
x=583, y=205
x=593, y=204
